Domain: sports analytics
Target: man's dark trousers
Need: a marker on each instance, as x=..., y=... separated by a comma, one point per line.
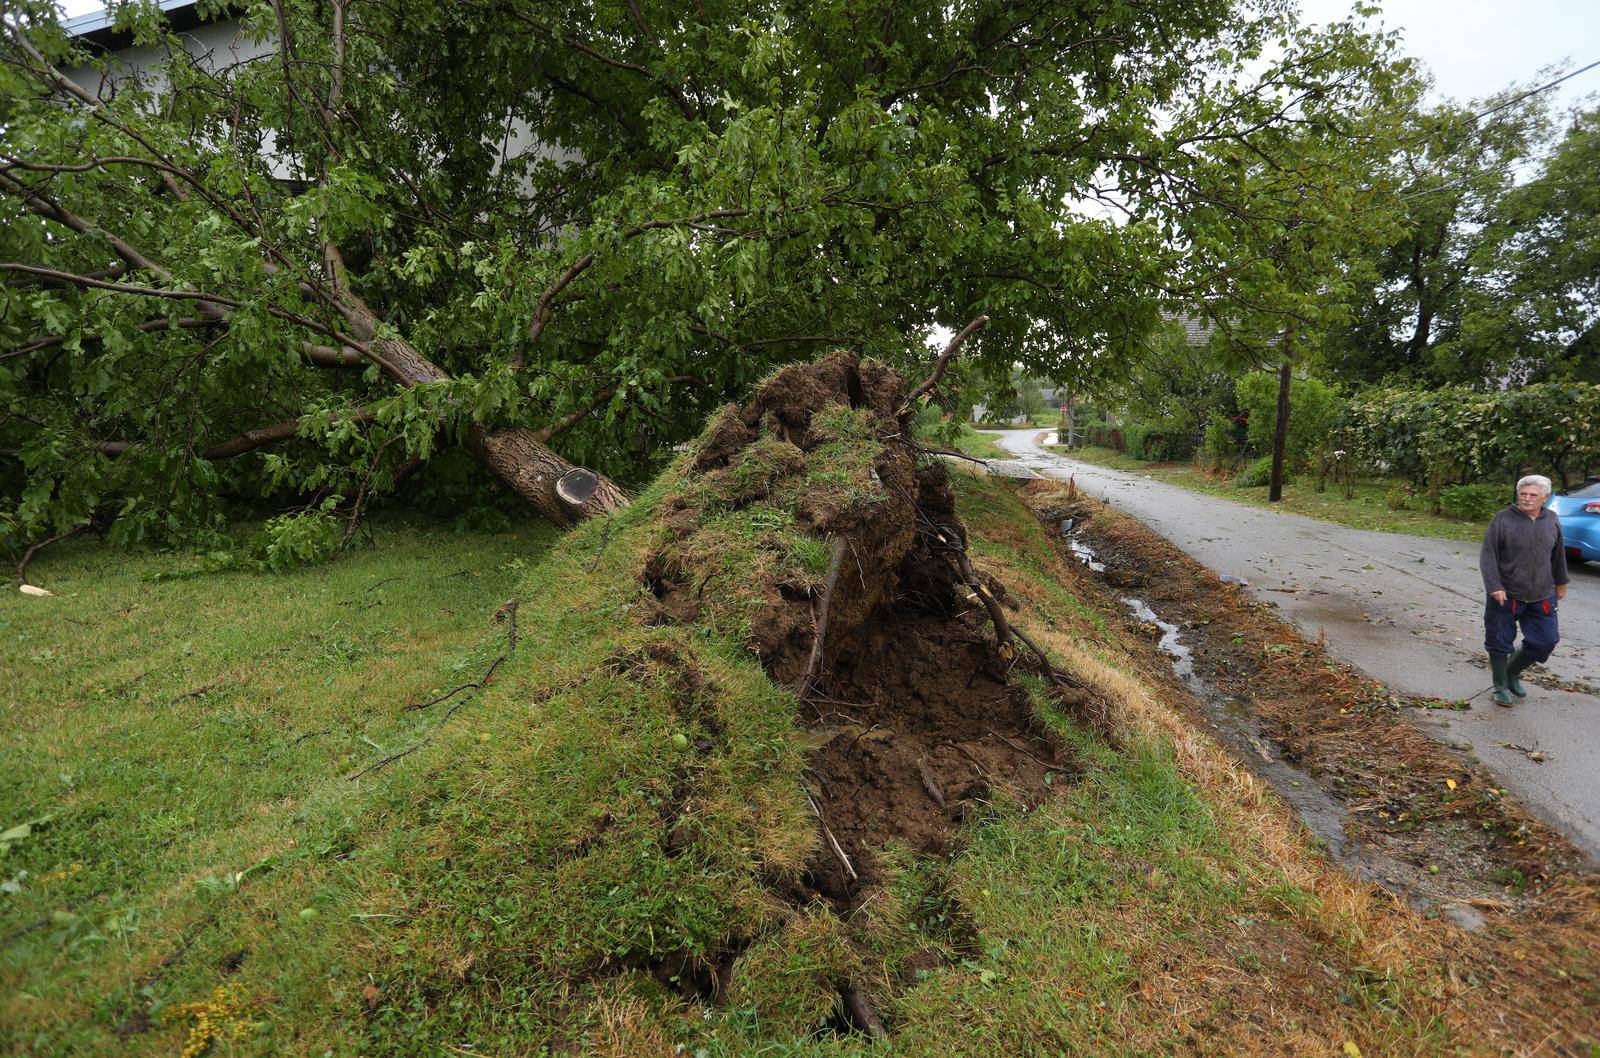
x=1540, y=632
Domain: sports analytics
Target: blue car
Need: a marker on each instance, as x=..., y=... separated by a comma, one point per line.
x=1580, y=520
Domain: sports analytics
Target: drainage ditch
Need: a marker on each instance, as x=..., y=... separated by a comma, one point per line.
x=1233, y=725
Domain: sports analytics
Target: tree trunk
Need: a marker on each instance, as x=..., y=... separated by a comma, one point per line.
x=515, y=453
x=532, y=469
x=1280, y=435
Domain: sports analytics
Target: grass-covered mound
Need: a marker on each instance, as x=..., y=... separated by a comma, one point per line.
x=632, y=839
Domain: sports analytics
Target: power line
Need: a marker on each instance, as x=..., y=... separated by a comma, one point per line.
x=1518, y=164
x=1534, y=91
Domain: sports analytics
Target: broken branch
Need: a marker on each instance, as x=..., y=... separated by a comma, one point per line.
x=27, y=556
x=926, y=385
x=802, y=686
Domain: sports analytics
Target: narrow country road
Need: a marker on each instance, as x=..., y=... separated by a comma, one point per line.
x=1408, y=611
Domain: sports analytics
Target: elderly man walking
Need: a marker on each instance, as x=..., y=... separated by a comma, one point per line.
x=1524, y=568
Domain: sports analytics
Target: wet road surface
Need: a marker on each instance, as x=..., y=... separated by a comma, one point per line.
x=1408, y=611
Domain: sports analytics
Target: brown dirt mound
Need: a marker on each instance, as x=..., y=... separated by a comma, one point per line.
x=919, y=722
x=914, y=712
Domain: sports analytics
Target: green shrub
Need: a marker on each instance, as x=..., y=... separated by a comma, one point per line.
x=1398, y=497
x=1162, y=442
x=1217, y=447
x=1258, y=475
x=1453, y=433
x=1313, y=409
x=1474, y=503
x=1134, y=437
x=1177, y=443
x=1099, y=433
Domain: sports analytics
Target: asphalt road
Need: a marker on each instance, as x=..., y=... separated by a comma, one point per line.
x=1408, y=611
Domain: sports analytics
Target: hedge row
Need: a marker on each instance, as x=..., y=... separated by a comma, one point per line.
x=1435, y=437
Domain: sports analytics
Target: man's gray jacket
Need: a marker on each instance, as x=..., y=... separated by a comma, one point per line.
x=1523, y=557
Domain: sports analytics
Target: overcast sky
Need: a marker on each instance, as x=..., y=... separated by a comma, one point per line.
x=1477, y=47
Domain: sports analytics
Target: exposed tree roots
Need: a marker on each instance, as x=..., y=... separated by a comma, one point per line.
x=902, y=654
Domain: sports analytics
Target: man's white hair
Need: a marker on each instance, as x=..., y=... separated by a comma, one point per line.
x=1536, y=479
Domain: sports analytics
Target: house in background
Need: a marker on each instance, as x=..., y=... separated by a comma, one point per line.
x=216, y=43
x=221, y=42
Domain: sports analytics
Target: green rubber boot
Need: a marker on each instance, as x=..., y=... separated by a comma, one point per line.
x=1514, y=667
x=1497, y=665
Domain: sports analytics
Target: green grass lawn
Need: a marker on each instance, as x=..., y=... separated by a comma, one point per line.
x=979, y=445
x=169, y=743
x=218, y=861
x=1368, y=510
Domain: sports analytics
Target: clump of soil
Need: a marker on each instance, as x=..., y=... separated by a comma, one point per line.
x=809, y=523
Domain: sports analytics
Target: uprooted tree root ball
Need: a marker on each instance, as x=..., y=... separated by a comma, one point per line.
x=809, y=524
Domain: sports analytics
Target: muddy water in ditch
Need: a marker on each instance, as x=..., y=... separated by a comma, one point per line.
x=1237, y=729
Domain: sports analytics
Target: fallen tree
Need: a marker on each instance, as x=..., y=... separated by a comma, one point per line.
x=300, y=269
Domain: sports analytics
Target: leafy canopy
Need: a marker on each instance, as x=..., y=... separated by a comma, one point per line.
x=385, y=230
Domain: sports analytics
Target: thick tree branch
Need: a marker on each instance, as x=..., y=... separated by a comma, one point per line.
x=37, y=202
x=207, y=301
x=926, y=385
x=250, y=440
x=148, y=327
x=327, y=356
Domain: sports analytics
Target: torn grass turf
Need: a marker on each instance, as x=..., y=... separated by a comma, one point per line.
x=597, y=855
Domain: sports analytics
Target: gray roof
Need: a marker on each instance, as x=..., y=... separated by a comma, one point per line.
x=96, y=21
x=1196, y=331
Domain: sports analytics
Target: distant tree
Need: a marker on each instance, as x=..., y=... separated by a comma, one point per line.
x=1454, y=174
x=1172, y=381
x=1536, y=314
x=1274, y=216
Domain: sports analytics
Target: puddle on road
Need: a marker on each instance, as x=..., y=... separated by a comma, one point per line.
x=1240, y=733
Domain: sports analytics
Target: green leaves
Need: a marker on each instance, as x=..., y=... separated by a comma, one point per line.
x=622, y=199
x=1456, y=434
